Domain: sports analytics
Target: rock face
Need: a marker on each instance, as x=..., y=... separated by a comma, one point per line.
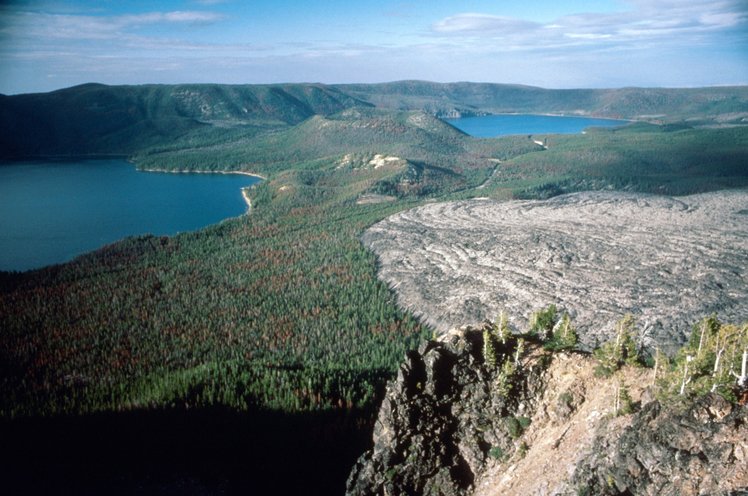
x=448, y=427
x=441, y=419
x=700, y=450
x=597, y=255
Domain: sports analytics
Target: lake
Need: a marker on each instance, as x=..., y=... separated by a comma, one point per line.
x=488, y=126
x=52, y=211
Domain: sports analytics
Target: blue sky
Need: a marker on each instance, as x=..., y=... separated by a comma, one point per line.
x=46, y=45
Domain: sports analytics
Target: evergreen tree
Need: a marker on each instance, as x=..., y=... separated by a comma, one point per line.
x=501, y=328
x=714, y=360
x=563, y=336
x=620, y=350
x=489, y=349
x=504, y=380
x=542, y=322
x=622, y=404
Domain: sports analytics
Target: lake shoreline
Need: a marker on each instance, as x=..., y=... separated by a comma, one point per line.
x=186, y=171
x=518, y=124
x=114, y=199
x=244, y=190
x=580, y=116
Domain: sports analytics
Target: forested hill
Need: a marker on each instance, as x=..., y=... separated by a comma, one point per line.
x=720, y=104
x=99, y=119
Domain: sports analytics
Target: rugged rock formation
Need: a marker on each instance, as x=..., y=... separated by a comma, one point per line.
x=597, y=255
x=441, y=418
x=702, y=449
x=450, y=426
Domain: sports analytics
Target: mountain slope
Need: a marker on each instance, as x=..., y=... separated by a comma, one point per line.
x=99, y=119
x=415, y=136
x=455, y=99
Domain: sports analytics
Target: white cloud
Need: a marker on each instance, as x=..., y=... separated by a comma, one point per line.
x=650, y=43
x=472, y=23
x=670, y=22
x=179, y=16
x=587, y=36
x=41, y=26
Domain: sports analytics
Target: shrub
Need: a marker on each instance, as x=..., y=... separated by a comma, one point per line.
x=496, y=453
x=513, y=427
x=542, y=322
x=522, y=450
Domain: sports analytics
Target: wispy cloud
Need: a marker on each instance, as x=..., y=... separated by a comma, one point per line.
x=474, y=23
x=43, y=26
x=230, y=43
x=663, y=21
x=209, y=2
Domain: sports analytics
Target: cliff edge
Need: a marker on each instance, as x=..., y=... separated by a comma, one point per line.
x=540, y=422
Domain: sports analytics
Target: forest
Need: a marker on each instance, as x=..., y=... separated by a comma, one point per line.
x=281, y=309
x=261, y=346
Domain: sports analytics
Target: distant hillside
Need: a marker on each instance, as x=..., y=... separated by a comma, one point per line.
x=417, y=135
x=99, y=119
x=124, y=120
x=720, y=104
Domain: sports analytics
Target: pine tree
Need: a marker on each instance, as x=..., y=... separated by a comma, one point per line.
x=501, y=328
x=620, y=350
x=518, y=351
x=542, y=322
x=504, y=380
x=661, y=363
x=489, y=349
x=686, y=376
x=625, y=403
x=564, y=335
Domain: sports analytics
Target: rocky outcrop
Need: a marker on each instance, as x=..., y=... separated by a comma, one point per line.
x=442, y=418
x=702, y=449
x=452, y=424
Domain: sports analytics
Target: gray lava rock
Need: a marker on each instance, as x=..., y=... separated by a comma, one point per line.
x=439, y=420
x=597, y=255
x=671, y=451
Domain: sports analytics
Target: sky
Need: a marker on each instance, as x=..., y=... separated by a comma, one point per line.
x=52, y=44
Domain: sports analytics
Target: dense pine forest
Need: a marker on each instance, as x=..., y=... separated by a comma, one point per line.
x=280, y=310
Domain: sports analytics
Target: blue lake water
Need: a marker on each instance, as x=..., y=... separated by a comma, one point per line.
x=508, y=124
x=51, y=212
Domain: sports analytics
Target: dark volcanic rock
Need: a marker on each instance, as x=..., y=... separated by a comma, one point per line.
x=700, y=450
x=449, y=426
x=440, y=419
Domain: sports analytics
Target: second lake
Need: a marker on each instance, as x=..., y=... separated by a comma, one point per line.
x=489, y=126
